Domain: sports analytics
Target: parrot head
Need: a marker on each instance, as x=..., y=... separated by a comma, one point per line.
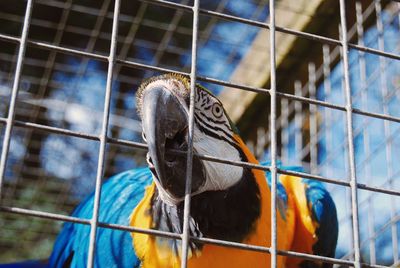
x=163, y=105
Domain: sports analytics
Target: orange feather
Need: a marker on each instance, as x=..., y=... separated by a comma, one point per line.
x=297, y=227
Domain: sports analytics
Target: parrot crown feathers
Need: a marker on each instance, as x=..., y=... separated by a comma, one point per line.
x=180, y=85
x=170, y=77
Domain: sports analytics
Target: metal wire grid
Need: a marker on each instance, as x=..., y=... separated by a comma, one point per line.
x=30, y=103
x=322, y=137
x=273, y=168
x=387, y=144
x=103, y=14
x=96, y=36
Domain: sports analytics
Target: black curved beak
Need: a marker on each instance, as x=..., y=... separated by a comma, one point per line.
x=163, y=117
x=165, y=123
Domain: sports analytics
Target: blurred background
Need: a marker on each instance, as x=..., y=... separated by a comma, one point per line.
x=53, y=172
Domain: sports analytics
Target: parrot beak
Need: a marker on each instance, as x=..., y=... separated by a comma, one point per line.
x=165, y=124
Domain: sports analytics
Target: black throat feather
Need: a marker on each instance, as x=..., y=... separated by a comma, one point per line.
x=227, y=214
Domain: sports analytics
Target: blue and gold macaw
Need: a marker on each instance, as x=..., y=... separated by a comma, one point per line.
x=228, y=202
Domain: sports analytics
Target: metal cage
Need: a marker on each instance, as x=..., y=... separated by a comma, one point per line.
x=69, y=52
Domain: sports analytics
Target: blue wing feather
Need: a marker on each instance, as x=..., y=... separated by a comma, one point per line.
x=322, y=207
x=281, y=194
x=323, y=211
x=119, y=196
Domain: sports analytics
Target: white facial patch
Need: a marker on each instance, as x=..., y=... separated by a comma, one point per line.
x=211, y=117
x=219, y=176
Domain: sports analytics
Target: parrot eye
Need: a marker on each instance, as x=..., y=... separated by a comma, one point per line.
x=217, y=110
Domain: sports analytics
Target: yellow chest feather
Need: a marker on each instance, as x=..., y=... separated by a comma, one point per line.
x=157, y=252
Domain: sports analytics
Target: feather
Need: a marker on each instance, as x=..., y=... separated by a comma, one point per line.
x=113, y=246
x=228, y=202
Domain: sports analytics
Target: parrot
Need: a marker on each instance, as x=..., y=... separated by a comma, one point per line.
x=228, y=202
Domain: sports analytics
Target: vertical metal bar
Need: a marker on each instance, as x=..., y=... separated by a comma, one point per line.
x=313, y=120
x=393, y=19
x=298, y=118
x=386, y=126
x=207, y=30
x=103, y=136
x=349, y=121
x=343, y=85
x=393, y=201
x=328, y=112
x=366, y=141
x=43, y=82
x=348, y=197
x=273, y=133
x=284, y=129
x=188, y=185
x=14, y=93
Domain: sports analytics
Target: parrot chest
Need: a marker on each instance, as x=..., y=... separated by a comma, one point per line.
x=163, y=252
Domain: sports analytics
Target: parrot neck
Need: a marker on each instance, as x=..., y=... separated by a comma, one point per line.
x=236, y=214
x=226, y=214
x=262, y=235
x=232, y=214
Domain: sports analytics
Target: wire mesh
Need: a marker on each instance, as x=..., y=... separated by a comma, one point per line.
x=65, y=65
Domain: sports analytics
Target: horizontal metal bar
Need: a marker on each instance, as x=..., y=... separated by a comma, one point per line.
x=381, y=230
x=10, y=38
x=365, y=201
x=371, y=78
x=309, y=36
x=104, y=35
x=267, y=91
x=63, y=218
x=358, y=131
x=143, y=146
x=215, y=14
x=205, y=79
x=14, y=93
x=339, y=107
x=361, y=186
x=44, y=45
x=205, y=157
x=54, y=130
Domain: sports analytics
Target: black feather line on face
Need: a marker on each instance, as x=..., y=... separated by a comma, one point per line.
x=213, y=120
x=203, y=124
x=227, y=214
x=212, y=131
